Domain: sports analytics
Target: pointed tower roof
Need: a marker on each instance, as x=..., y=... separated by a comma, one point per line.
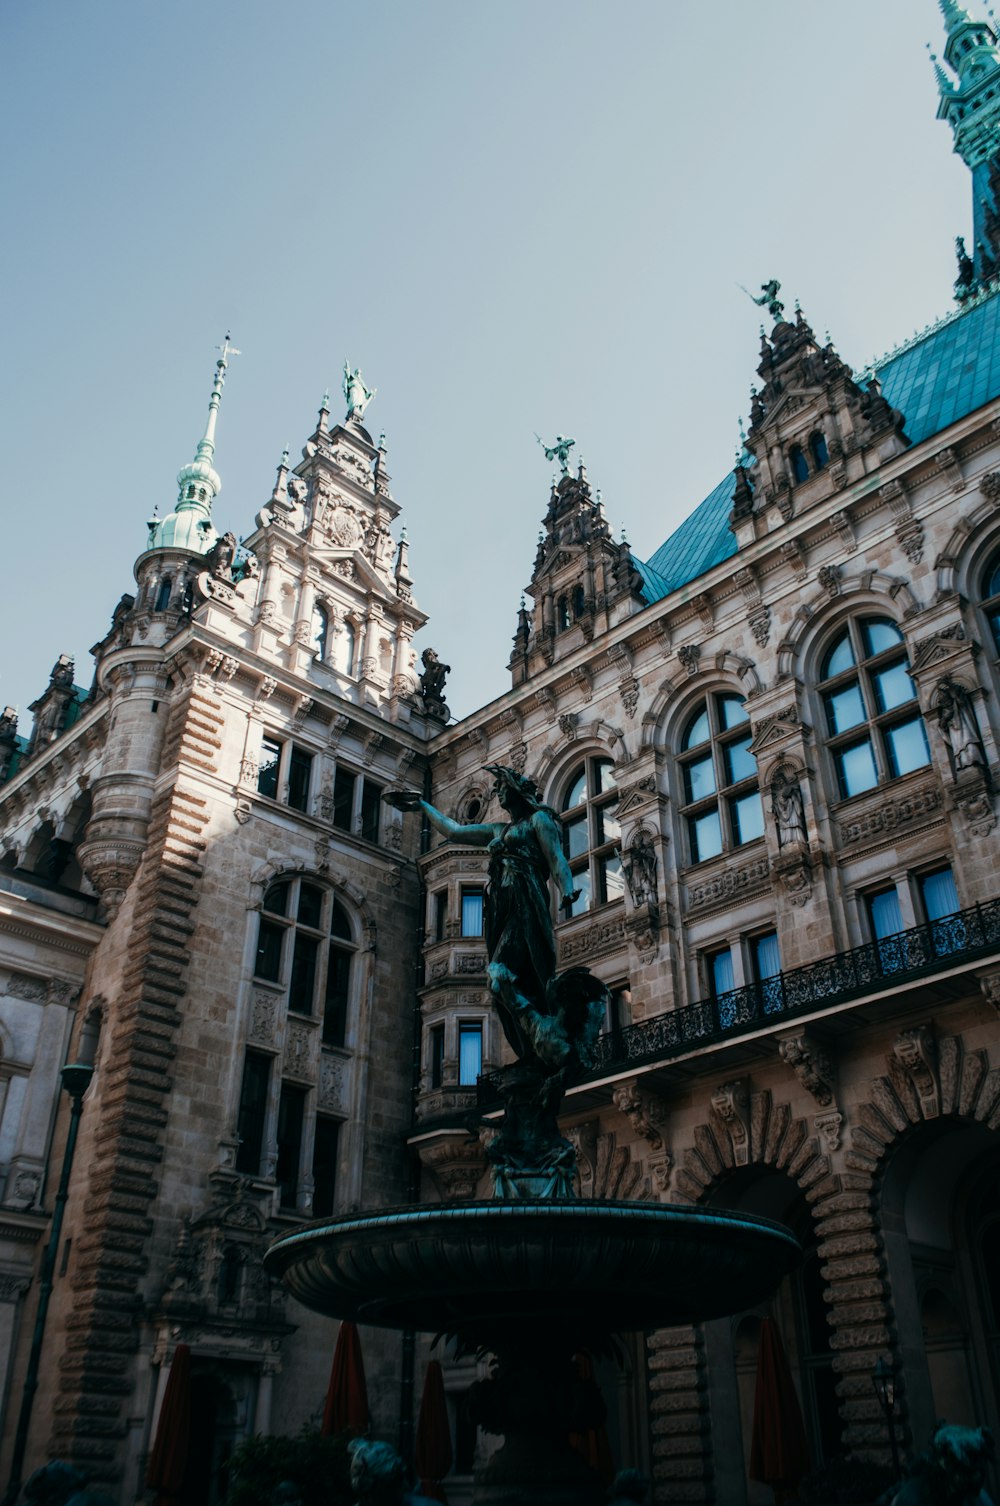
x=189, y=525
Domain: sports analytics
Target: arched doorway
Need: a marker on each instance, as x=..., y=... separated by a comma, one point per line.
x=217, y=1425
x=940, y=1212
x=799, y=1311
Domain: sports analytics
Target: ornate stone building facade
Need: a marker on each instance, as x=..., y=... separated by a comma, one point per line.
x=773, y=748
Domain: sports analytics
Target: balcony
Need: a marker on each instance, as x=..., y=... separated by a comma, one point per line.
x=879, y=967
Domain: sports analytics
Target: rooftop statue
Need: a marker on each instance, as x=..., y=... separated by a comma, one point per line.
x=769, y=298
x=357, y=394
x=558, y=451
x=552, y=1020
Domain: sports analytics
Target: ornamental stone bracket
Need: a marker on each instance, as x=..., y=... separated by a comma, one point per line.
x=793, y=870
x=731, y=1111
x=814, y=1068
x=648, y=1117
x=110, y=865
x=973, y=796
x=990, y=985
x=915, y=1052
x=456, y=1163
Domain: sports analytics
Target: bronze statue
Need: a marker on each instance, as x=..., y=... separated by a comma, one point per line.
x=552, y=1020
x=433, y=676
x=951, y=1472
x=558, y=451
x=357, y=394
x=769, y=298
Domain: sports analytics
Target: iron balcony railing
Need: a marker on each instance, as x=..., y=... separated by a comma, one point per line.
x=876, y=967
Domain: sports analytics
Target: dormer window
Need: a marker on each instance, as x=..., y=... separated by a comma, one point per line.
x=799, y=464
x=818, y=448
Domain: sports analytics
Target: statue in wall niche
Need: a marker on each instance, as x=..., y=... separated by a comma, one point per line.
x=357, y=394
x=951, y=1472
x=639, y=864
x=787, y=809
x=957, y=722
x=552, y=1020
x=433, y=676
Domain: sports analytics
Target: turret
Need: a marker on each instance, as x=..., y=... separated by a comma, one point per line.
x=970, y=103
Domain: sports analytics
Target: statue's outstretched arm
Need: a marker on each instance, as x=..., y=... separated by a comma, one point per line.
x=473, y=834
x=550, y=840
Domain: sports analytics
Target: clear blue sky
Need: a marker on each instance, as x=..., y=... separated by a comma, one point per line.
x=517, y=216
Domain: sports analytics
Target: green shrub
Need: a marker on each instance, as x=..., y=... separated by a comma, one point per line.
x=318, y=1466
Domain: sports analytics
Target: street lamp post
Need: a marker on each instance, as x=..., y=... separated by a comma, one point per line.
x=76, y=1078
x=884, y=1382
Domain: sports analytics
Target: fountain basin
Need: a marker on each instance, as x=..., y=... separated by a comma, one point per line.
x=461, y=1267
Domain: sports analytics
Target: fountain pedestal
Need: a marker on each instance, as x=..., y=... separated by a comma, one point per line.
x=532, y=1281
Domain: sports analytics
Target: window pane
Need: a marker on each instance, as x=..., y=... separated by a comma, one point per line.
x=439, y=914
x=267, y=774
x=885, y=913
x=839, y=658
x=604, y=776
x=767, y=969
x=893, y=687
x=324, y=1167
x=343, y=799
x=338, y=977
x=699, y=778
x=268, y=961
x=371, y=810
x=993, y=584
x=339, y=923
x=722, y=976
x=907, y=746
x=856, y=769
x=609, y=828
x=845, y=708
x=939, y=894
x=470, y=1054
x=740, y=762
x=435, y=1042
x=290, y=1113
x=581, y=881
x=995, y=625
x=252, y=1113
x=276, y=899
x=706, y=836
x=577, y=790
x=732, y=711
x=748, y=818
x=697, y=730
x=310, y=905
x=612, y=879
x=575, y=837
x=300, y=989
x=880, y=634
x=299, y=766
x=472, y=912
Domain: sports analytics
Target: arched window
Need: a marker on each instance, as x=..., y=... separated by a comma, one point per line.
x=562, y=613
x=163, y=594
x=320, y=631
x=798, y=463
x=346, y=648
x=819, y=451
x=721, y=798
x=591, y=831
x=991, y=599
x=874, y=727
x=305, y=943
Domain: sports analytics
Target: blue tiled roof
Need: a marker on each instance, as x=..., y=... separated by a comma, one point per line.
x=934, y=380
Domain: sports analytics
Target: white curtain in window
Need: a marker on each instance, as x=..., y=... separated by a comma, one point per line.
x=886, y=916
x=940, y=894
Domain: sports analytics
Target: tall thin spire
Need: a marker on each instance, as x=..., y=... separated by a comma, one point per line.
x=189, y=526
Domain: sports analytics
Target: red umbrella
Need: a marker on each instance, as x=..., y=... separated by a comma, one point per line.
x=779, y=1453
x=433, y=1454
x=593, y=1444
x=165, y=1470
x=346, y=1405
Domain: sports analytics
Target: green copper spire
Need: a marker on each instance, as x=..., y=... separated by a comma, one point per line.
x=970, y=106
x=189, y=526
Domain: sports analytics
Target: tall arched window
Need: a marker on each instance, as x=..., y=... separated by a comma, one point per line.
x=562, y=613
x=346, y=649
x=799, y=463
x=721, y=798
x=591, y=832
x=305, y=943
x=991, y=599
x=874, y=727
x=163, y=594
x=819, y=451
x=320, y=630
